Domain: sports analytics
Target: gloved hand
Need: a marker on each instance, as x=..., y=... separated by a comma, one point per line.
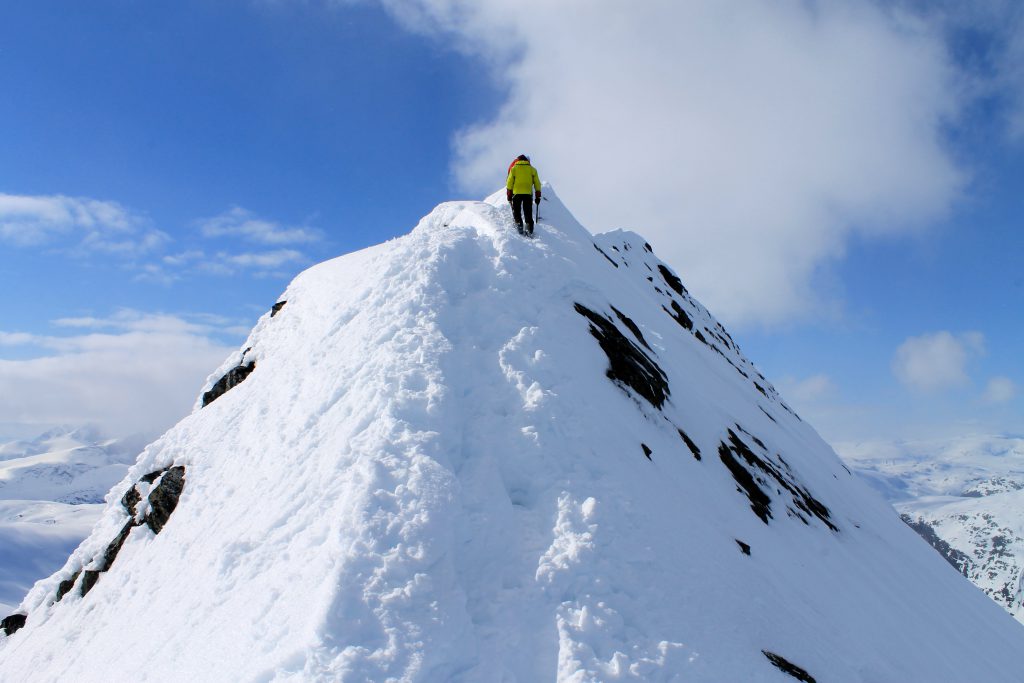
x=508, y=196
x=537, y=197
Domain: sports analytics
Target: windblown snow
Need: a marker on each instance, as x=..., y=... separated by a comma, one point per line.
x=466, y=456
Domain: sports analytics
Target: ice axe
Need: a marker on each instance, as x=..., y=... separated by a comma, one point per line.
x=538, y=209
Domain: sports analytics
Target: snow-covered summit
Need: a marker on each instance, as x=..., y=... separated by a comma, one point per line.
x=466, y=456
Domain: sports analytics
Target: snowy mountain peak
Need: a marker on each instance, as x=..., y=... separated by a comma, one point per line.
x=463, y=455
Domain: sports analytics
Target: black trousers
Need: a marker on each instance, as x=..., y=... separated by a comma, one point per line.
x=523, y=203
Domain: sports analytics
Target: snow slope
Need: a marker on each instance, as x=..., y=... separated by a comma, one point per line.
x=965, y=497
x=465, y=456
x=51, y=494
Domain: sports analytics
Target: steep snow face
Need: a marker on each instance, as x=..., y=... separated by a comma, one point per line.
x=466, y=456
x=965, y=497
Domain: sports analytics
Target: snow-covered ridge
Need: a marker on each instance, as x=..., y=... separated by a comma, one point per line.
x=466, y=456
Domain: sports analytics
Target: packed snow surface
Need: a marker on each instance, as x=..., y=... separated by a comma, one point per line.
x=466, y=456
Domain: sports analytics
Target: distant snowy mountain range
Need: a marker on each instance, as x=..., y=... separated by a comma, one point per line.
x=964, y=496
x=469, y=457
x=52, y=489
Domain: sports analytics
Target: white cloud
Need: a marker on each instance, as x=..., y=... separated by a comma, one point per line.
x=129, y=373
x=808, y=390
x=1000, y=390
x=131, y=320
x=263, y=260
x=244, y=225
x=183, y=258
x=238, y=222
x=17, y=338
x=747, y=139
x=936, y=361
x=90, y=224
x=172, y=268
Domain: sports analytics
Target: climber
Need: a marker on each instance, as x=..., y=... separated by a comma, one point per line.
x=522, y=178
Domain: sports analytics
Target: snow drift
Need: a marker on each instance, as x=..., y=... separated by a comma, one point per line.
x=465, y=456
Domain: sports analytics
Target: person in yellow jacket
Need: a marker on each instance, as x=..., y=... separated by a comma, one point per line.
x=522, y=186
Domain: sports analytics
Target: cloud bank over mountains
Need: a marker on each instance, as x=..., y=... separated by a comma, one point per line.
x=130, y=373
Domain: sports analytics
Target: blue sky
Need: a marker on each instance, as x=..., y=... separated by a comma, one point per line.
x=838, y=181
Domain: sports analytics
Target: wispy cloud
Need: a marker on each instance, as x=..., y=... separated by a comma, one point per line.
x=1000, y=390
x=17, y=338
x=131, y=320
x=222, y=263
x=84, y=224
x=807, y=390
x=265, y=260
x=936, y=361
x=183, y=258
x=239, y=222
x=218, y=254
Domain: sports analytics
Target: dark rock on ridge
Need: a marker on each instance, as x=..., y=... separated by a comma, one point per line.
x=680, y=316
x=130, y=500
x=163, y=499
x=233, y=378
x=89, y=579
x=66, y=585
x=753, y=474
x=785, y=666
x=13, y=623
x=606, y=256
x=689, y=443
x=627, y=363
x=760, y=503
x=632, y=327
x=672, y=280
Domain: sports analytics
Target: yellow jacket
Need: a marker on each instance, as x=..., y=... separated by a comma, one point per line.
x=522, y=178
